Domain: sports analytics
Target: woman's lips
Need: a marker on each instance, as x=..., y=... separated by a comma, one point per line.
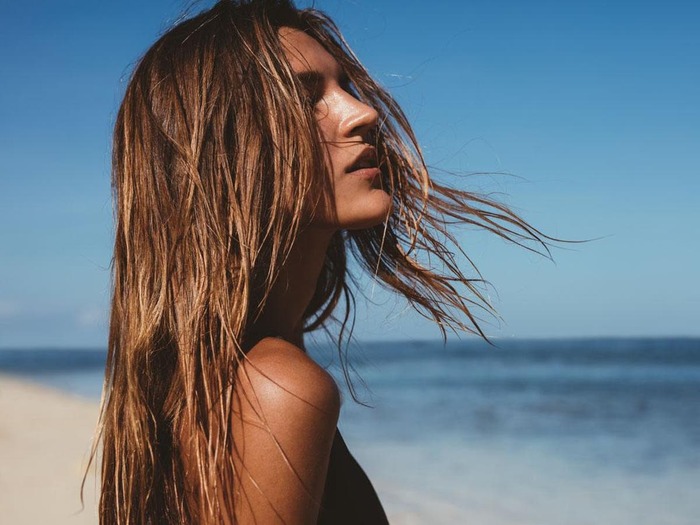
x=366, y=159
x=366, y=173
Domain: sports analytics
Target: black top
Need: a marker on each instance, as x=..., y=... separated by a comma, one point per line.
x=348, y=496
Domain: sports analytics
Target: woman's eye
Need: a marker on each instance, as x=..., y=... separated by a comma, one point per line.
x=312, y=98
x=349, y=87
x=313, y=89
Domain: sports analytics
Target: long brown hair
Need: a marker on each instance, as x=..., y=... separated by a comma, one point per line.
x=215, y=157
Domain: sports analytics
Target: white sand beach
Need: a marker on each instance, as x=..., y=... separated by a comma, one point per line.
x=45, y=438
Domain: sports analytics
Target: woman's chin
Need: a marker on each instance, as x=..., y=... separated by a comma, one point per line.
x=371, y=212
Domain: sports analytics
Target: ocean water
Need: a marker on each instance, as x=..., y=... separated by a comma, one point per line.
x=589, y=431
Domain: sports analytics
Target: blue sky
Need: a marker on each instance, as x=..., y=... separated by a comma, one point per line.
x=593, y=106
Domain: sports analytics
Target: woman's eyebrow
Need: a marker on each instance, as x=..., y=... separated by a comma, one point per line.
x=310, y=78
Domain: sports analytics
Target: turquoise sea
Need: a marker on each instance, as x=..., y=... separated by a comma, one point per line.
x=578, y=431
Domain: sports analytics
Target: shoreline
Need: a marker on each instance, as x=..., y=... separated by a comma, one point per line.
x=46, y=433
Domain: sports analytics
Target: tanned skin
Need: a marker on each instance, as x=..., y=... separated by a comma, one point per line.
x=288, y=405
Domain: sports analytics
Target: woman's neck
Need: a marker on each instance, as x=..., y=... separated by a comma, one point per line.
x=293, y=289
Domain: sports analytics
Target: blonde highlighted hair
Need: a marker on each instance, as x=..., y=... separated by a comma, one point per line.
x=215, y=161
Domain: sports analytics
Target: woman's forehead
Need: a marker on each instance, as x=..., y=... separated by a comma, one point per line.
x=305, y=53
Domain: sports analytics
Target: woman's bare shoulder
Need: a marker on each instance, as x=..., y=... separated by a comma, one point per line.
x=287, y=409
x=282, y=373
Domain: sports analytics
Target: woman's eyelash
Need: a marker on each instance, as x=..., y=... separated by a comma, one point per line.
x=345, y=83
x=349, y=86
x=313, y=95
x=313, y=85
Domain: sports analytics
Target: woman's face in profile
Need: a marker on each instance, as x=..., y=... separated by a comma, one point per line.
x=346, y=125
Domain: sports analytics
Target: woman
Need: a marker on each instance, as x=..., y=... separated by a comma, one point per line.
x=251, y=152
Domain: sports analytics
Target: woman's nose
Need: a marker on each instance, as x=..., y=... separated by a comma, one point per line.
x=361, y=120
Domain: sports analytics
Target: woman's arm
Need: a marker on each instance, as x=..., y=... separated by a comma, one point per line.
x=286, y=412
